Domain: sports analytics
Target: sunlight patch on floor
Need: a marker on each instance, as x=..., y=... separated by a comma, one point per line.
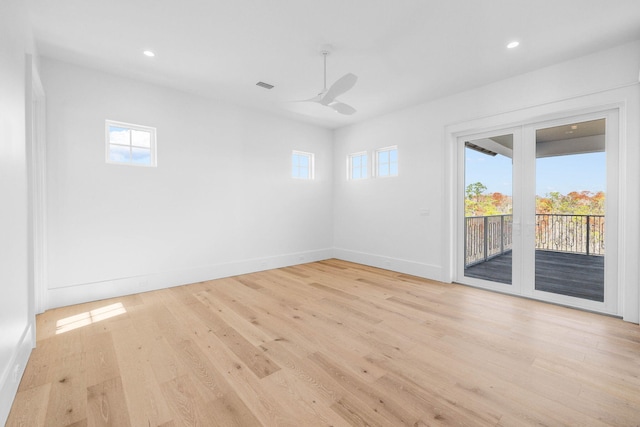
x=88, y=317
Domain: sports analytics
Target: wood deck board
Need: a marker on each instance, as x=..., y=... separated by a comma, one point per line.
x=331, y=343
x=575, y=275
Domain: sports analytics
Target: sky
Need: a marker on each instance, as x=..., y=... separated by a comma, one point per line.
x=129, y=145
x=577, y=172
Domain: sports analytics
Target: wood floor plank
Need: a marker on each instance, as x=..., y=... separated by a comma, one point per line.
x=304, y=402
x=30, y=408
x=101, y=357
x=260, y=364
x=330, y=343
x=217, y=370
x=324, y=387
x=230, y=410
x=429, y=407
x=68, y=395
x=106, y=405
x=333, y=291
x=231, y=375
x=187, y=406
x=245, y=326
x=141, y=388
x=36, y=372
x=379, y=402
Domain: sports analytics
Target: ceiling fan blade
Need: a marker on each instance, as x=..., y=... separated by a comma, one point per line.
x=342, y=108
x=341, y=85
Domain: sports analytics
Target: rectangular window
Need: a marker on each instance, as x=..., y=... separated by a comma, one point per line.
x=302, y=165
x=129, y=144
x=387, y=161
x=357, y=165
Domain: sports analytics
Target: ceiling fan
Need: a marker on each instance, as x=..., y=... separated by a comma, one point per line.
x=328, y=96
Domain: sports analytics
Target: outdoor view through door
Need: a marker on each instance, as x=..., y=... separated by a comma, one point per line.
x=488, y=208
x=569, y=224
x=570, y=217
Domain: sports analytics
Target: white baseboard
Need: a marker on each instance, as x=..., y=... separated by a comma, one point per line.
x=427, y=271
x=77, y=294
x=86, y=292
x=12, y=373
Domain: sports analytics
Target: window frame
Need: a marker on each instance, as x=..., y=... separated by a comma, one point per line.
x=311, y=169
x=131, y=127
x=350, y=168
x=376, y=159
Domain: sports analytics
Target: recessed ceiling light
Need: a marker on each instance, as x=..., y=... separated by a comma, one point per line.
x=513, y=44
x=149, y=53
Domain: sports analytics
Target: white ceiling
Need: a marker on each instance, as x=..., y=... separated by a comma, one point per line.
x=403, y=51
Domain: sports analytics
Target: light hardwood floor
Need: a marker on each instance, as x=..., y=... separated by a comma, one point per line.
x=329, y=344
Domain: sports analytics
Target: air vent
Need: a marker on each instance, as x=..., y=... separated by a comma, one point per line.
x=264, y=85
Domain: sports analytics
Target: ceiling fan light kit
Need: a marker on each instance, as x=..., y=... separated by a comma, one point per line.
x=328, y=97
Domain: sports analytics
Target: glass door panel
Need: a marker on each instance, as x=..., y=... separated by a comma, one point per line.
x=488, y=209
x=570, y=210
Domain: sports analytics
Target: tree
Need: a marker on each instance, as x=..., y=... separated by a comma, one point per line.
x=574, y=203
x=479, y=204
x=475, y=190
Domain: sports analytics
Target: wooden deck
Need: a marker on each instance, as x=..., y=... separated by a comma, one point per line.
x=568, y=274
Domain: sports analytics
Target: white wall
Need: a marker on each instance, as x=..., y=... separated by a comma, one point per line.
x=220, y=202
x=16, y=317
x=379, y=222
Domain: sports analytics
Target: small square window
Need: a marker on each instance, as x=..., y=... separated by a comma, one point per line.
x=302, y=165
x=387, y=161
x=130, y=144
x=357, y=166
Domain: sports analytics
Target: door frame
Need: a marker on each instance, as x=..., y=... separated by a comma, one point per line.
x=36, y=178
x=596, y=104
x=515, y=286
x=611, y=283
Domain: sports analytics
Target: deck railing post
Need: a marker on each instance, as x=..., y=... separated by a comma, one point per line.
x=588, y=234
x=502, y=234
x=486, y=233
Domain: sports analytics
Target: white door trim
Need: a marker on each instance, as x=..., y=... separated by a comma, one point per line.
x=36, y=151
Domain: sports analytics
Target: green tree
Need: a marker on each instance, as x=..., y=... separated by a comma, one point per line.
x=477, y=203
x=475, y=190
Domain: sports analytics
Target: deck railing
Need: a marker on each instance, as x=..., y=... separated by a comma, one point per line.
x=489, y=236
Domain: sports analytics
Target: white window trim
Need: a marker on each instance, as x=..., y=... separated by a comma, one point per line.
x=312, y=165
x=350, y=165
x=374, y=172
x=151, y=130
